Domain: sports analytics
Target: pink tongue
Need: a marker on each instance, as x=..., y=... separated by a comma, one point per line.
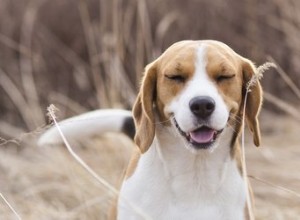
x=202, y=136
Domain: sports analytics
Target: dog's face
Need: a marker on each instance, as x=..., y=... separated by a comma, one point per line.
x=198, y=87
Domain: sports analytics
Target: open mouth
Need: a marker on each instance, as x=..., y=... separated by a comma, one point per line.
x=200, y=138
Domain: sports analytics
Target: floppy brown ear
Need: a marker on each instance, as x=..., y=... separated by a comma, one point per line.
x=254, y=99
x=143, y=110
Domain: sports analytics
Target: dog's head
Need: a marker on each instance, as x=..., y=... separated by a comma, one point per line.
x=199, y=88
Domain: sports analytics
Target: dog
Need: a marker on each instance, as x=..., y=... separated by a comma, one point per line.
x=186, y=124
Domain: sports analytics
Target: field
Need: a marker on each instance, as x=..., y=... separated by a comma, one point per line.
x=88, y=54
x=47, y=183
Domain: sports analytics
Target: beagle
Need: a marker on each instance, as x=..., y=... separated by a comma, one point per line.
x=188, y=116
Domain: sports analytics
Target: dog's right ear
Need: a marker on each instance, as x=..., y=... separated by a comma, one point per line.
x=143, y=111
x=254, y=101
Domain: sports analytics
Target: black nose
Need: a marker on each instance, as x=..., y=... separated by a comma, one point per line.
x=202, y=106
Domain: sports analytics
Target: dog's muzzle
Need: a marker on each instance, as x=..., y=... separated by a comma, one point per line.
x=202, y=137
x=203, y=134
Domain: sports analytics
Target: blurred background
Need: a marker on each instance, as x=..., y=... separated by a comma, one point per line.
x=83, y=55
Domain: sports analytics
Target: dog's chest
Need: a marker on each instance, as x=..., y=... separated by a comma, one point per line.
x=187, y=189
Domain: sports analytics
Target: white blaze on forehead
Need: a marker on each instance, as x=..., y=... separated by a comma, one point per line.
x=200, y=84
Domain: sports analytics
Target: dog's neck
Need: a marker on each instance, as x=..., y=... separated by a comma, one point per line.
x=181, y=163
x=171, y=182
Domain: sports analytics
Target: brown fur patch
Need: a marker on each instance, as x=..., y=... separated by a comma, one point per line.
x=133, y=163
x=221, y=62
x=178, y=60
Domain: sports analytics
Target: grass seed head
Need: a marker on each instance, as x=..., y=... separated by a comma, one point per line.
x=259, y=74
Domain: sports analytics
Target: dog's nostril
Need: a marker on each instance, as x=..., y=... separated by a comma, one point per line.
x=202, y=106
x=210, y=106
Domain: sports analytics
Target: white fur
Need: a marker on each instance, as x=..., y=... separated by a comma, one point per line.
x=171, y=182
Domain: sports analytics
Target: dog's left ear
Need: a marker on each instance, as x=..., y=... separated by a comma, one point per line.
x=254, y=99
x=143, y=112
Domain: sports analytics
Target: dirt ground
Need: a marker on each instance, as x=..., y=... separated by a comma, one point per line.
x=46, y=183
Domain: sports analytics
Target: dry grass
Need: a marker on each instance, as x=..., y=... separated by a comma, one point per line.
x=94, y=54
x=84, y=54
x=46, y=183
x=276, y=162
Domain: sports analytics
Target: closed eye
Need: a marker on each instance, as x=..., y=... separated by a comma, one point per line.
x=221, y=78
x=177, y=78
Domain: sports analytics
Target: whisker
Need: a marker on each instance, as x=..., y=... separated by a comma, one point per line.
x=162, y=122
x=236, y=118
x=231, y=127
